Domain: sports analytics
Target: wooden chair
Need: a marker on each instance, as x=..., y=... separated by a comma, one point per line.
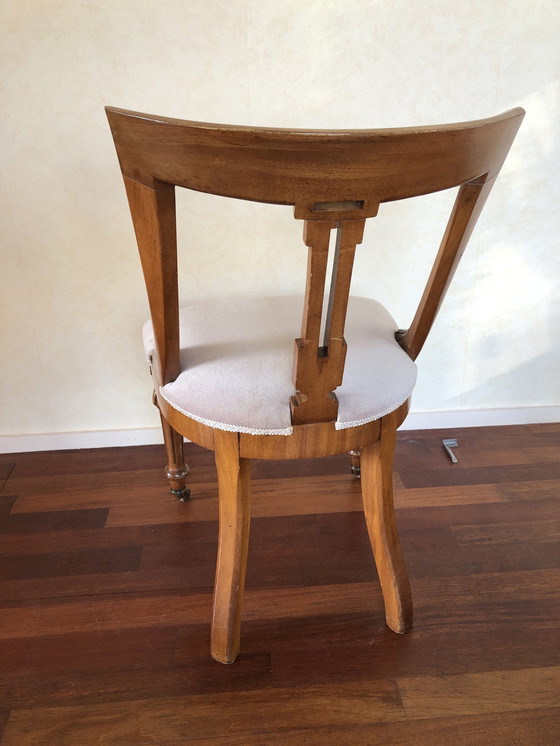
x=223, y=371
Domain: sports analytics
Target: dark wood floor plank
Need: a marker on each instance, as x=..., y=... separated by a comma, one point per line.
x=206, y=716
x=522, y=511
x=477, y=448
x=68, y=540
x=384, y=654
x=503, y=587
x=48, y=464
x=52, y=688
x=320, y=634
x=53, y=520
x=68, y=490
x=481, y=475
x=93, y=615
x=106, y=600
x=550, y=429
x=486, y=692
x=4, y=715
x=6, y=468
x=527, y=728
x=451, y=495
x=542, y=489
x=152, y=504
x=436, y=553
x=7, y=502
x=87, y=562
x=507, y=533
x=64, y=655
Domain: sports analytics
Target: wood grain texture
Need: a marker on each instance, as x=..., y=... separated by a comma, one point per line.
x=153, y=216
x=105, y=617
x=176, y=470
x=234, y=496
x=377, y=492
x=529, y=728
x=466, y=210
x=319, y=363
x=491, y=691
x=5, y=471
x=303, y=167
x=206, y=716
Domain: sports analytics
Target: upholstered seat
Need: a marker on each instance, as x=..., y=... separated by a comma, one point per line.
x=237, y=360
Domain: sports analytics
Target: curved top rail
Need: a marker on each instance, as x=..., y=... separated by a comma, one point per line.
x=302, y=167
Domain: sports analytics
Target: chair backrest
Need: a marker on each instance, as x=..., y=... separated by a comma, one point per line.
x=335, y=180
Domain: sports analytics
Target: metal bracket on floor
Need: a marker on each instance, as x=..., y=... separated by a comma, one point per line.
x=448, y=444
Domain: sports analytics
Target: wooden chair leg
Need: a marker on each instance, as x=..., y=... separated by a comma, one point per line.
x=176, y=470
x=234, y=485
x=377, y=495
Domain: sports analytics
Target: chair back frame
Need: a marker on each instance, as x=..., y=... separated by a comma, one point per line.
x=335, y=180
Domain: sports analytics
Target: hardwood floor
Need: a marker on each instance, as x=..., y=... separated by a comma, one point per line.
x=106, y=591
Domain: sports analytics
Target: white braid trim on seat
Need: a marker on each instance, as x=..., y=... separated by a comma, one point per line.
x=286, y=431
x=357, y=423
x=225, y=426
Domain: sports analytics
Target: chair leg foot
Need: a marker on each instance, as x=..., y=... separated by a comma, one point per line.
x=176, y=471
x=234, y=485
x=355, y=463
x=377, y=494
x=181, y=495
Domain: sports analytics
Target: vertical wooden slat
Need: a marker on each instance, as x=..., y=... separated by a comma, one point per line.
x=318, y=369
x=316, y=236
x=349, y=234
x=312, y=403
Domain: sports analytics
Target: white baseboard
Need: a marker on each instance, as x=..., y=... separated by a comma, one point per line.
x=149, y=436
x=89, y=439
x=480, y=418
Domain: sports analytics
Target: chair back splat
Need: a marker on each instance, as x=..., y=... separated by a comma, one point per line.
x=319, y=364
x=346, y=382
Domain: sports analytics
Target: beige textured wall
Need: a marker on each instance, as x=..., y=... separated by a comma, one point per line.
x=72, y=299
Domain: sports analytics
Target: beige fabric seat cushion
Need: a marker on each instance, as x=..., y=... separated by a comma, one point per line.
x=237, y=357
